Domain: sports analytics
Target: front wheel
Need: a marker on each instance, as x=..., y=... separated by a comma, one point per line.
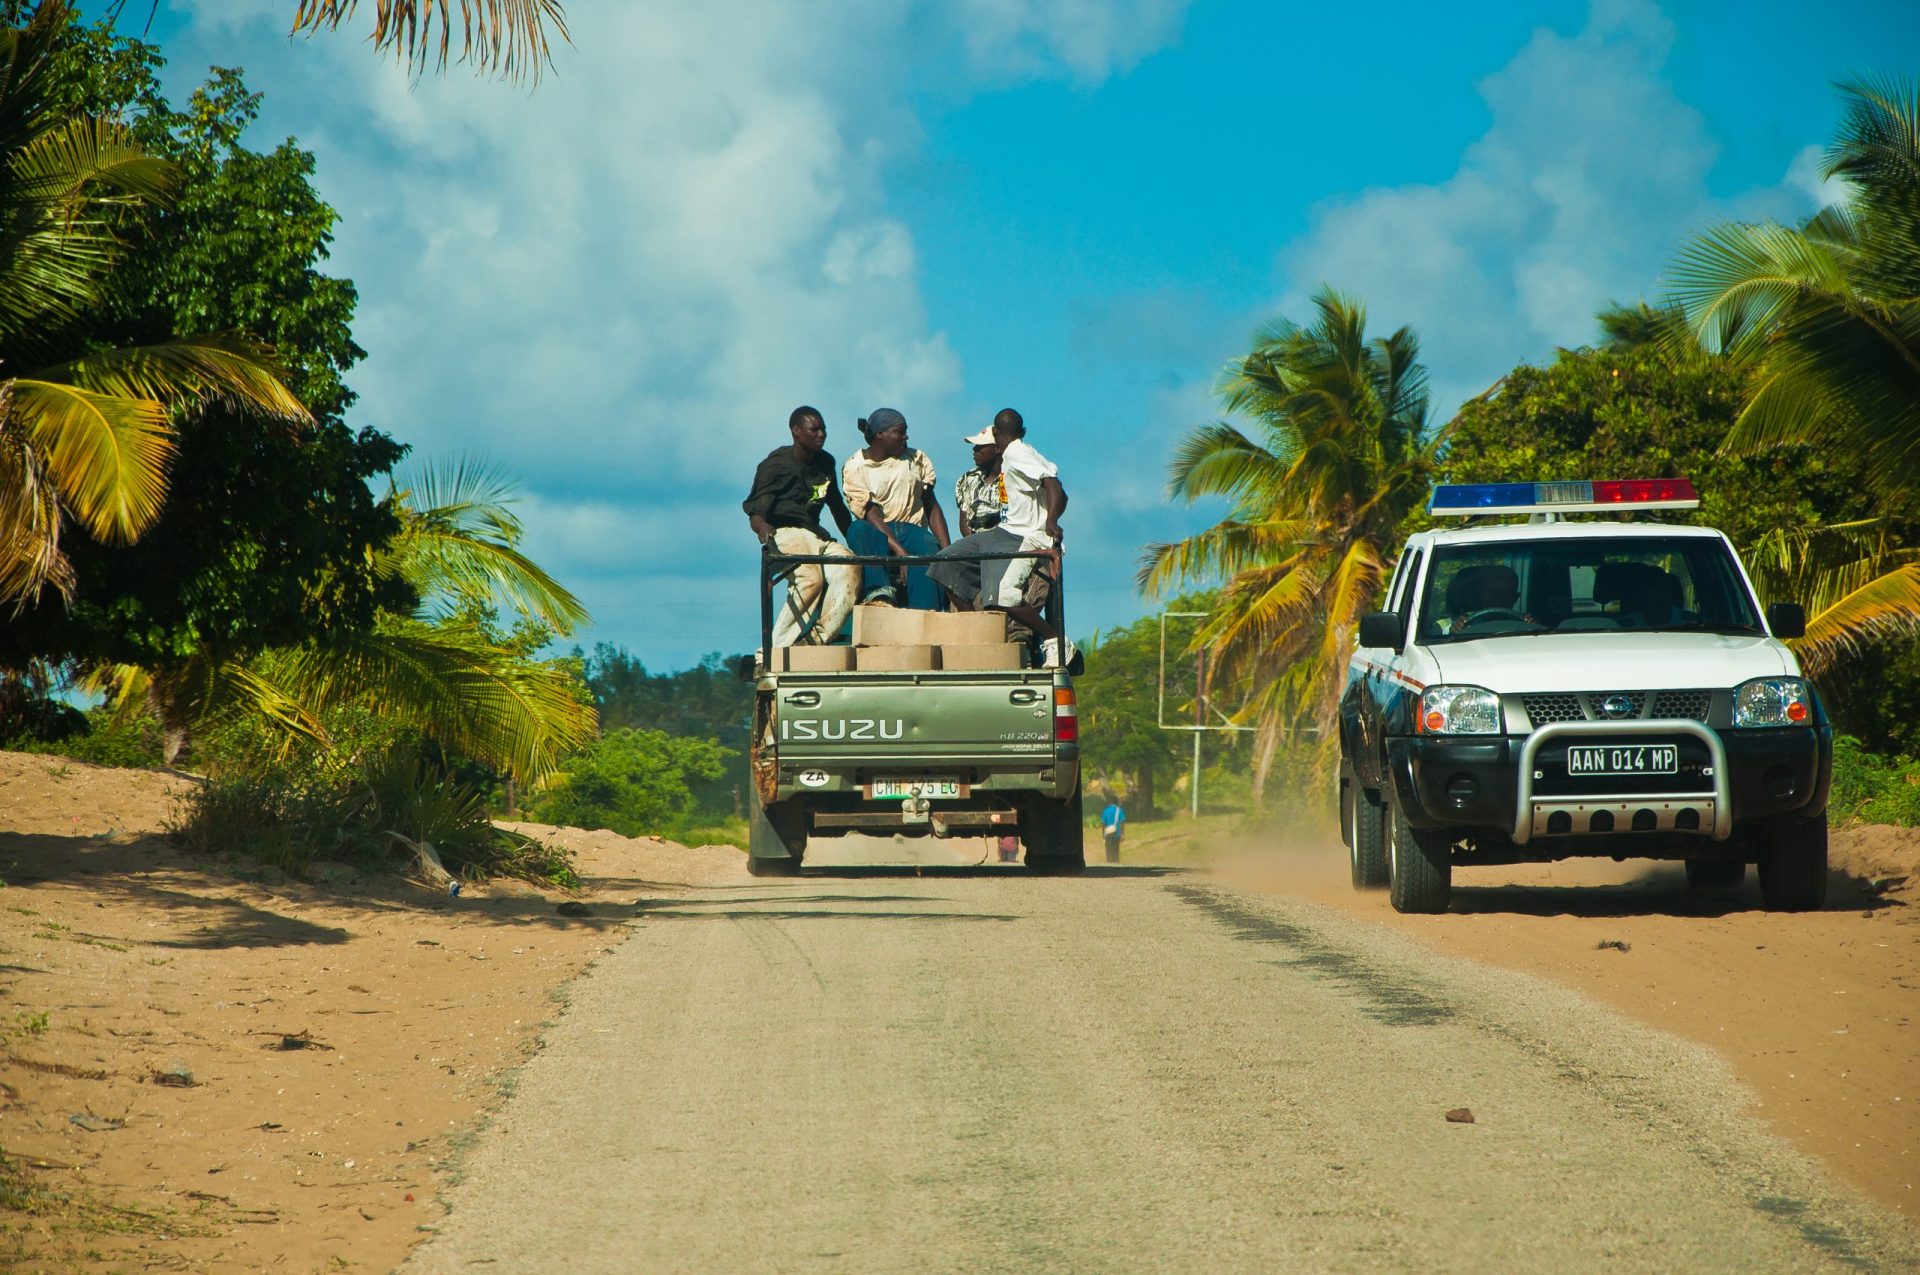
x=1367, y=840
x=1793, y=865
x=1419, y=863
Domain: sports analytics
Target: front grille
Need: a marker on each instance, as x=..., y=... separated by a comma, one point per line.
x=1688, y=704
x=1597, y=700
x=1545, y=709
x=1590, y=706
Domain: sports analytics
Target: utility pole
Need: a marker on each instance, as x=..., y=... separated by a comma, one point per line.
x=1199, y=725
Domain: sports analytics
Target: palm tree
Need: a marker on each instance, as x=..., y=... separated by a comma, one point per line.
x=1337, y=454
x=507, y=36
x=89, y=436
x=1829, y=315
x=441, y=669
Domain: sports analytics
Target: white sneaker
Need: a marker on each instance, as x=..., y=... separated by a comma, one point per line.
x=1053, y=656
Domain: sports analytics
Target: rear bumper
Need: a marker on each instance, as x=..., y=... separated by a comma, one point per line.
x=1489, y=784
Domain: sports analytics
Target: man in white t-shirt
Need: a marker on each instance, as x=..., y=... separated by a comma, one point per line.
x=1031, y=503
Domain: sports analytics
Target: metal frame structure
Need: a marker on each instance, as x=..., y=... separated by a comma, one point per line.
x=775, y=566
x=1200, y=703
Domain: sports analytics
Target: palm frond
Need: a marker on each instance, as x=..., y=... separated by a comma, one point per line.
x=106, y=454
x=459, y=541
x=189, y=371
x=461, y=688
x=1886, y=605
x=508, y=37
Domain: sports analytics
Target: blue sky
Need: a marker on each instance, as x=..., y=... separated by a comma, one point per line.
x=617, y=286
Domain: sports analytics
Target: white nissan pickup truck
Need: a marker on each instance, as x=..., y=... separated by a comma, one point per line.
x=1544, y=689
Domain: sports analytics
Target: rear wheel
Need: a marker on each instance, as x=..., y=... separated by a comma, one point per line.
x=776, y=837
x=1056, y=836
x=1367, y=839
x=1714, y=874
x=1419, y=863
x=1793, y=865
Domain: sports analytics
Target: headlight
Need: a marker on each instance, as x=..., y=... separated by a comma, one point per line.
x=1772, y=701
x=1459, y=710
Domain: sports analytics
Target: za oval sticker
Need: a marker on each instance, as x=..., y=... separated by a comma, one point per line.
x=813, y=778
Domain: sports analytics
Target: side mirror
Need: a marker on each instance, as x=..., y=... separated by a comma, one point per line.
x=744, y=668
x=1380, y=629
x=1787, y=620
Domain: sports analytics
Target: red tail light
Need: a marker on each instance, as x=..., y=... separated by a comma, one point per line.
x=1066, y=716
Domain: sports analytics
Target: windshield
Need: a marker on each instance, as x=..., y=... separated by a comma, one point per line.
x=1557, y=586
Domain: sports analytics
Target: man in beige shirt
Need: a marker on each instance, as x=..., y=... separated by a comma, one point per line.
x=889, y=489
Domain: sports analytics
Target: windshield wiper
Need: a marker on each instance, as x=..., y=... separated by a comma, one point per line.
x=1706, y=626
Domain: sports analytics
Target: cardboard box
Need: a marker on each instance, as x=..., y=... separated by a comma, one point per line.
x=812, y=659
x=1004, y=655
x=889, y=626
x=897, y=659
x=964, y=628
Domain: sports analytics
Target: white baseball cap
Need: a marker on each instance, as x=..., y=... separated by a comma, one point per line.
x=984, y=436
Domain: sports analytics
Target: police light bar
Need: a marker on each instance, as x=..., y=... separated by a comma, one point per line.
x=1475, y=500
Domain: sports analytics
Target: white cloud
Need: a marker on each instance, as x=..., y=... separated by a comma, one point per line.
x=1591, y=173
x=619, y=284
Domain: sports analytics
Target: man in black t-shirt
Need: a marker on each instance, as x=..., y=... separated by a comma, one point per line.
x=789, y=488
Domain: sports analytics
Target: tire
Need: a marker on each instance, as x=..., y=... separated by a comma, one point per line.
x=1367, y=854
x=1714, y=874
x=1419, y=863
x=1057, y=837
x=1793, y=865
x=776, y=837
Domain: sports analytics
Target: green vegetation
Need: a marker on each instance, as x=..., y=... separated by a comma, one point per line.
x=1784, y=377
x=636, y=783
x=1874, y=789
x=1339, y=454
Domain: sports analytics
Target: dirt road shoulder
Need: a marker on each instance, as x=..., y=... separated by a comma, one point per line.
x=1816, y=1012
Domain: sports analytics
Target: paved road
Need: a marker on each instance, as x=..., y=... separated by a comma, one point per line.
x=1130, y=1071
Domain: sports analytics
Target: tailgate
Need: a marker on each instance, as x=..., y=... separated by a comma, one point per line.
x=896, y=718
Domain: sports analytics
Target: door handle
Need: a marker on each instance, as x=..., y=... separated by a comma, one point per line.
x=804, y=699
x=1025, y=695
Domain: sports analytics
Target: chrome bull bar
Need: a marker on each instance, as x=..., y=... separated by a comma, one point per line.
x=1712, y=811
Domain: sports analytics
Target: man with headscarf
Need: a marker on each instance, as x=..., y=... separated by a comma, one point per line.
x=889, y=488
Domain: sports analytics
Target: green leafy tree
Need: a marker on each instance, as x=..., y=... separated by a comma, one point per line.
x=1828, y=315
x=86, y=424
x=1120, y=705
x=707, y=701
x=268, y=531
x=634, y=782
x=1335, y=453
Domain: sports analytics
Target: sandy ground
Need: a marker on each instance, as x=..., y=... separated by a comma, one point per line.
x=1816, y=1012
x=237, y=1074
x=287, y=1075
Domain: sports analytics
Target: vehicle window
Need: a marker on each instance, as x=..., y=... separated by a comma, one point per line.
x=1398, y=590
x=1558, y=586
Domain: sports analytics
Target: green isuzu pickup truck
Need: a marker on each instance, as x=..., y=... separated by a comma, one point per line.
x=874, y=747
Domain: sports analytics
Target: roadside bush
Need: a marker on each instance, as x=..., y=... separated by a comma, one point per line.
x=293, y=811
x=95, y=737
x=637, y=783
x=1873, y=788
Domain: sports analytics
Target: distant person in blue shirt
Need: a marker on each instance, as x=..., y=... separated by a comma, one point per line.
x=1113, y=826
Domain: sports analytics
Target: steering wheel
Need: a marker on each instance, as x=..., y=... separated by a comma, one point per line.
x=1491, y=613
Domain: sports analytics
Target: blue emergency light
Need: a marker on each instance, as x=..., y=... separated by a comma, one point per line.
x=1473, y=500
